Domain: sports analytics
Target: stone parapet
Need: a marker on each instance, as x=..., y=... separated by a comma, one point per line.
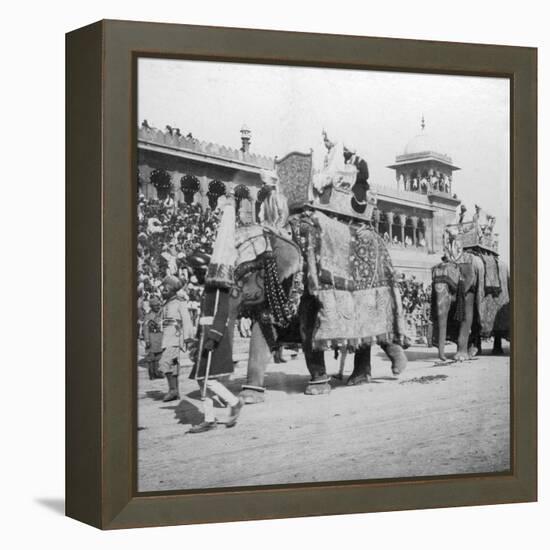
x=193, y=145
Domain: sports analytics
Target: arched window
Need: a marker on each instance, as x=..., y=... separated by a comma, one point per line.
x=410, y=234
x=415, y=181
x=162, y=181
x=260, y=198
x=216, y=189
x=189, y=185
x=384, y=226
x=241, y=192
x=396, y=230
x=421, y=233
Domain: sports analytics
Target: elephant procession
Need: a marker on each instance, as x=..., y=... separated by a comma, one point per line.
x=311, y=275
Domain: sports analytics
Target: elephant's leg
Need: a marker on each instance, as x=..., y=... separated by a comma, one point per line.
x=474, y=344
x=315, y=360
x=397, y=356
x=361, y=367
x=497, y=343
x=259, y=356
x=465, y=328
x=343, y=355
x=442, y=307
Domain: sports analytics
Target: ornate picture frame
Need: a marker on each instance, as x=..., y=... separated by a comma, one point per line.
x=101, y=410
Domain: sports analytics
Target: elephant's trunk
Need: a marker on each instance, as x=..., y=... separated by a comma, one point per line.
x=443, y=304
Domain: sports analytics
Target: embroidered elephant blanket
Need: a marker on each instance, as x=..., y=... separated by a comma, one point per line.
x=494, y=307
x=349, y=271
x=492, y=280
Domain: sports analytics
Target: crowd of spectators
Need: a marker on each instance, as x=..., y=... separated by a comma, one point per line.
x=168, y=235
x=407, y=243
x=416, y=298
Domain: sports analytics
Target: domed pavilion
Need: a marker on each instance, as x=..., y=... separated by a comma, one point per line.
x=412, y=215
x=422, y=167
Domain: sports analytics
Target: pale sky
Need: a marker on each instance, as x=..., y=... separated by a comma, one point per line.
x=376, y=112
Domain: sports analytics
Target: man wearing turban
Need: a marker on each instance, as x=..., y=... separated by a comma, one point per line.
x=177, y=331
x=152, y=333
x=361, y=185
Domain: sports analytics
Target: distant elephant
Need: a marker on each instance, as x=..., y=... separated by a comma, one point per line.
x=470, y=301
x=277, y=287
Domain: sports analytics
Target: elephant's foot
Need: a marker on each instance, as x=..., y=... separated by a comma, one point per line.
x=358, y=379
x=473, y=351
x=251, y=395
x=397, y=356
x=318, y=386
x=461, y=356
x=339, y=376
x=399, y=364
x=497, y=350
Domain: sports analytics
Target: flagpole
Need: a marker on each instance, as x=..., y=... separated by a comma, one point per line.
x=209, y=356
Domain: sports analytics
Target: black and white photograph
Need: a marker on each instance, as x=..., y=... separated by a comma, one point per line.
x=275, y=275
x=323, y=275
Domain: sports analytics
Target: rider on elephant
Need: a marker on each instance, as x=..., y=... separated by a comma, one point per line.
x=361, y=185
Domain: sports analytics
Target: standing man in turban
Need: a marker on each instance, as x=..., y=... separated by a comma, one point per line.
x=177, y=331
x=152, y=332
x=361, y=186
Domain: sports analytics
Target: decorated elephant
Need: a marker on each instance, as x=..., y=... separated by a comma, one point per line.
x=470, y=301
x=325, y=285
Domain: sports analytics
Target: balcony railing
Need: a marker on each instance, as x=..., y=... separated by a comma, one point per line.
x=399, y=194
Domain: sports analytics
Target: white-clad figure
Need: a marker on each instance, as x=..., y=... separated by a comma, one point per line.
x=335, y=170
x=274, y=209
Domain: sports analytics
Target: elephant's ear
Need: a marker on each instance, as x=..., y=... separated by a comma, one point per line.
x=448, y=273
x=287, y=255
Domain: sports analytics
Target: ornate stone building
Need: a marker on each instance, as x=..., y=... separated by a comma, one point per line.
x=196, y=171
x=410, y=215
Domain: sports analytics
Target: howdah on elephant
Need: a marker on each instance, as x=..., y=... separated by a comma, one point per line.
x=470, y=301
x=325, y=285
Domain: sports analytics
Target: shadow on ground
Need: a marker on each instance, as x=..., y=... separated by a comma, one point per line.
x=56, y=505
x=186, y=412
x=157, y=395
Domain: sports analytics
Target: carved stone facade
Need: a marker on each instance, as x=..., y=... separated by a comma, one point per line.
x=187, y=160
x=410, y=216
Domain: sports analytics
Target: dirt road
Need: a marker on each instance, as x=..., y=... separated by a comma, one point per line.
x=432, y=420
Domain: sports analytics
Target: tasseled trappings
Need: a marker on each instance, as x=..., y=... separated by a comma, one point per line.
x=275, y=294
x=460, y=312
